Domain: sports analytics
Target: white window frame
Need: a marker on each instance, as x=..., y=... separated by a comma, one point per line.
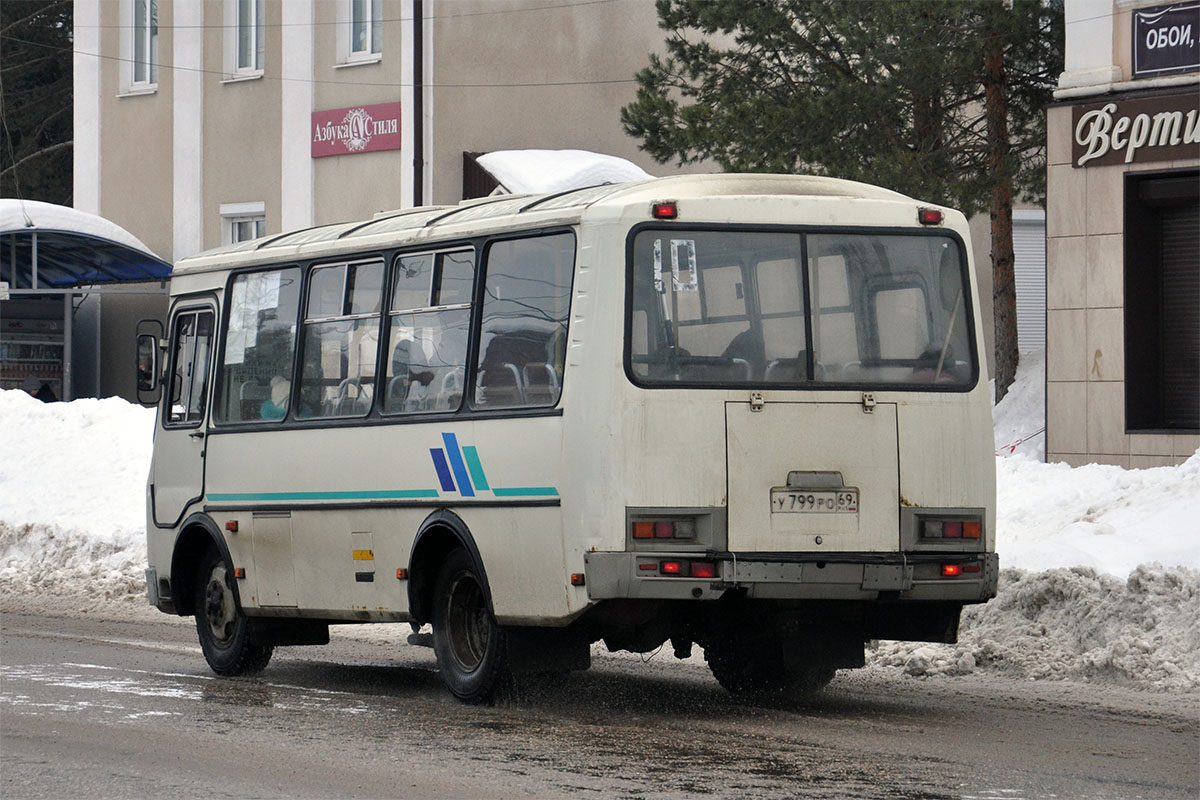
x=234, y=24
x=347, y=55
x=131, y=36
x=234, y=213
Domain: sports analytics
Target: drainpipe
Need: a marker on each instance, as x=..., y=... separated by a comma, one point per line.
x=418, y=104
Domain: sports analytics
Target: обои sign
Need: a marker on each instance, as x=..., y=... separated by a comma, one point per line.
x=1164, y=39
x=1136, y=131
x=360, y=129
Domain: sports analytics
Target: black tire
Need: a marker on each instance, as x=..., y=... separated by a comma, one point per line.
x=470, y=647
x=223, y=629
x=756, y=668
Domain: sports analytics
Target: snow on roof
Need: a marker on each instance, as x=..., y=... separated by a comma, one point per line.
x=30, y=215
x=548, y=171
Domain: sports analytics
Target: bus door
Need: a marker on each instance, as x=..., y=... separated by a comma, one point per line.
x=177, y=474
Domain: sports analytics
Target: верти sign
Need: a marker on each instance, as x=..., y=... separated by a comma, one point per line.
x=1136, y=131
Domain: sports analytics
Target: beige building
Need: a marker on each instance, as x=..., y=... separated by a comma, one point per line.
x=1123, y=237
x=202, y=122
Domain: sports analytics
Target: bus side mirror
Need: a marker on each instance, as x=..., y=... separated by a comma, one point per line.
x=148, y=368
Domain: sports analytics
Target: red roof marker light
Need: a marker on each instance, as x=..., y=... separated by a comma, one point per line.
x=664, y=210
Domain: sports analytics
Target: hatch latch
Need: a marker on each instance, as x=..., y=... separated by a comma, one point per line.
x=868, y=403
x=756, y=401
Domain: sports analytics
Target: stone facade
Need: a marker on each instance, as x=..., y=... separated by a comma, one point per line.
x=1092, y=257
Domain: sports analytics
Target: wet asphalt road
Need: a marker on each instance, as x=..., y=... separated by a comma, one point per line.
x=128, y=709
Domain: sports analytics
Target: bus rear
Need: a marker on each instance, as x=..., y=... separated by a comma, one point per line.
x=806, y=460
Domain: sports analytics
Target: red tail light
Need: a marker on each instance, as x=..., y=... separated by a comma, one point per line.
x=951, y=570
x=952, y=530
x=930, y=216
x=703, y=569
x=671, y=568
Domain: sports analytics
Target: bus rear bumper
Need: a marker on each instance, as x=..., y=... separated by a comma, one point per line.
x=953, y=577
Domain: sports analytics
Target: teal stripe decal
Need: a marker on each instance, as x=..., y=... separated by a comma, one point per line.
x=476, y=468
x=389, y=494
x=531, y=491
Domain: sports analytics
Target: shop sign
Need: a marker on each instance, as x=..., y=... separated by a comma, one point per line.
x=1136, y=131
x=1164, y=39
x=360, y=129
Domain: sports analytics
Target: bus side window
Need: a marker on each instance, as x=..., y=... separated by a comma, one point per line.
x=260, y=337
x=523, y=335
x=428, y=328
x=341, y=337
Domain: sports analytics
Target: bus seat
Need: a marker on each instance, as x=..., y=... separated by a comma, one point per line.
x=251, y=395
x=450, y=389
x=540, y=383
x=397, y=391
x=500, y=385
x=787, y=370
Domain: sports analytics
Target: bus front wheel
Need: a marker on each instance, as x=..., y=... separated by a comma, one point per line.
x=223, y=630
x=469, y=645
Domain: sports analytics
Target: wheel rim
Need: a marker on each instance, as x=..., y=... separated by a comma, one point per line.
x=220, y=612
x=469, y=624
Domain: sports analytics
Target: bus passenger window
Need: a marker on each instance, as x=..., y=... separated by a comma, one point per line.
x=341, y=336
x=428, y=328
x=260, y=338
x=523, y=335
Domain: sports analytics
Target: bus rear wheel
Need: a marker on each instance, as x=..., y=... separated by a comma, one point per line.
x=224, y=631
x=757, y=668
x=469, y=645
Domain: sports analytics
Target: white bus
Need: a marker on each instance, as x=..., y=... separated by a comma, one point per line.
x=746, y=412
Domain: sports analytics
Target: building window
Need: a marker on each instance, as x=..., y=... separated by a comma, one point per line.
x=241, y=222
x=249, y=46
x=243, y=229
x=366, y=38
x=145, y=43
x=1162, y=302
x=359, y=32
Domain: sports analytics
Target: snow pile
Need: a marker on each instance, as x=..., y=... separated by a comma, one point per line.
x=72, y=496
x=1019, y=420
x=1104, y=517
x=1074, y=624
x=548, y=171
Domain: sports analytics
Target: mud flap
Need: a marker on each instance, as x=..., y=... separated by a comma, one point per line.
x=830, y=648
x=547, y=650
x=914, y=622
x=280, y=632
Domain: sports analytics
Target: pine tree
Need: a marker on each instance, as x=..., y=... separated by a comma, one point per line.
x=36, y=123
x=943, y=100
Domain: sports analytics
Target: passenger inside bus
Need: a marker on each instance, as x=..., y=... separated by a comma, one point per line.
x=275, y=406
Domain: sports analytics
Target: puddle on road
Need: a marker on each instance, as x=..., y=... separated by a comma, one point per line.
x=112, y=691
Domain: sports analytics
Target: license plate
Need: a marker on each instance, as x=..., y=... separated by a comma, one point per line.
x=822, y=501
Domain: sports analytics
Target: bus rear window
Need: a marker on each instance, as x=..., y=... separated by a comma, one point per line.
x=746, y=308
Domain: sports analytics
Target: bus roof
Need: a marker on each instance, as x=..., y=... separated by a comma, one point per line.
x=513, y=212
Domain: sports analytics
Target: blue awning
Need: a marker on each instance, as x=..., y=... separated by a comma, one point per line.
x=67, y=248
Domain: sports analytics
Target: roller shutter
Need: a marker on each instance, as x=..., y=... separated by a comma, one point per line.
x=1029, y=268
